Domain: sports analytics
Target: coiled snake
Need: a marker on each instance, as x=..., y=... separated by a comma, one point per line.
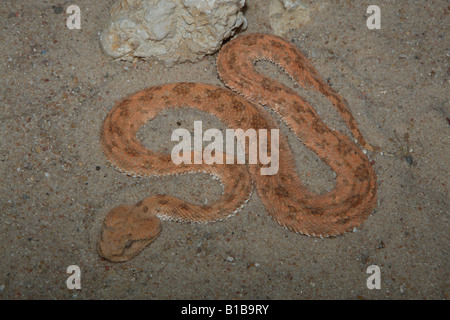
x=128, y=229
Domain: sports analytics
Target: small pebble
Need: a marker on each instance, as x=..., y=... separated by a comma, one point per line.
x=57, y=9
x=380, y=245
x=409, y=160
x=364, y=257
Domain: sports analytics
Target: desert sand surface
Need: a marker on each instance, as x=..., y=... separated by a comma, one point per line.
x=56, y=87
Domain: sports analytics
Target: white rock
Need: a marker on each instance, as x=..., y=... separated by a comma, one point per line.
x=285, y=15
x=173, y=31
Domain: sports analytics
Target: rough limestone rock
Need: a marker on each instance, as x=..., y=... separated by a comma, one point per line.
x=173, y=31
x=285, y=15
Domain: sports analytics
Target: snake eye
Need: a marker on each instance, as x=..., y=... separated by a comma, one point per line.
x=129, y=244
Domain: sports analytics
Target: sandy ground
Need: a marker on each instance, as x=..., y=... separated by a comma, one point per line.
x=56, y=87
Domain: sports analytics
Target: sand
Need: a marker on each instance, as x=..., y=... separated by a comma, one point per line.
x=56, y=87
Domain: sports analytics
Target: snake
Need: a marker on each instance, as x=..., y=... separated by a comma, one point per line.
x=129, y=228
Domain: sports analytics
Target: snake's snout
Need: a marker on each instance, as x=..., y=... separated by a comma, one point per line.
x=126, y=233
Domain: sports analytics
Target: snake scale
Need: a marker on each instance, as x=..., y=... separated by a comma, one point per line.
x=128, y=229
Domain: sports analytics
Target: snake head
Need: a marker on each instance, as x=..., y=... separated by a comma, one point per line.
x=126, y=232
